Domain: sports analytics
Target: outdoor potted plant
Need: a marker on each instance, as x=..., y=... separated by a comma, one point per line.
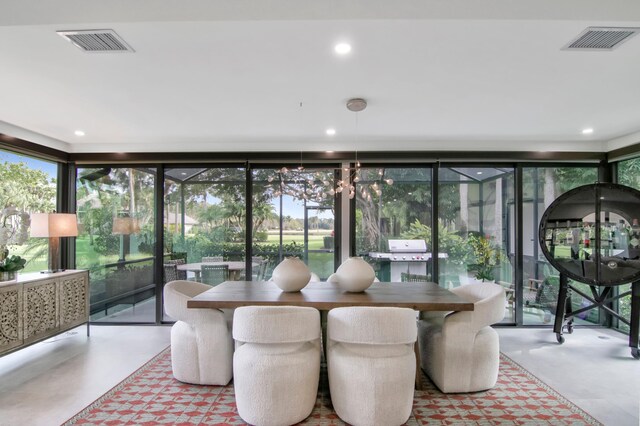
x=487, y=257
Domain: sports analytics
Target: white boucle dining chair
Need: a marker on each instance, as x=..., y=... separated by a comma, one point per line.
x=372, y=364
x=201, y=342
x=276, y=363
x=460, y=351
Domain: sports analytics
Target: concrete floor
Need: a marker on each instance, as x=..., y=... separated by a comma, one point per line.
x=593, y=369
x=47, y=383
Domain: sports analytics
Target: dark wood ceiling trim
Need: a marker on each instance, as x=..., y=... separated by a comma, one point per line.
x=625, y=152
x=294, y=157
x=33, y=149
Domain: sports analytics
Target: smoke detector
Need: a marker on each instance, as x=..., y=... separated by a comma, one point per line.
x=356, y=104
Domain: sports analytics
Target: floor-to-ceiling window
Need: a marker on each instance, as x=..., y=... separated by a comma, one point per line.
x=27, y=185
x=628, y=173
x=474, y=233
x=116, y=241
x=204, y=213
x=204, y=224
x=293, y=214
x=541, y=186
x=394, y=203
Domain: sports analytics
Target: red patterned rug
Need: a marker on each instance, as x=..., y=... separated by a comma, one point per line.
x=152, y=396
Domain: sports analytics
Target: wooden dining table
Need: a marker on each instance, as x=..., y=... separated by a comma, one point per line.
x=235, y=267
x=419, y=296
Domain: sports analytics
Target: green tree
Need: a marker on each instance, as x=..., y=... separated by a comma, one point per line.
x=27, y=189
x=629, y=173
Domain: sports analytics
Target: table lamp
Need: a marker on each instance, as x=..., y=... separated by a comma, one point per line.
x=124, y=226
x=54, y=226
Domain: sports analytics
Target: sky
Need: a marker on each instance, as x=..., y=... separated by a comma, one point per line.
x=291, y=207
x=49, y=168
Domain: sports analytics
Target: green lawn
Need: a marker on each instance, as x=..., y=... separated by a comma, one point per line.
x=316, y=241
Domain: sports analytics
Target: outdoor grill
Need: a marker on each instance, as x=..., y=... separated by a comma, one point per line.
x=408, y=256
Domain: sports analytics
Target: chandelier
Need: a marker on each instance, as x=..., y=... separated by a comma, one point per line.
x=318, y=186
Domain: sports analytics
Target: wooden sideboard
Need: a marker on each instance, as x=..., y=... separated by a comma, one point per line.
x=37, y=306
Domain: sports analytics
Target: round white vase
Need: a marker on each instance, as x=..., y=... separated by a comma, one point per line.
x=354, y=275
x=291, y=275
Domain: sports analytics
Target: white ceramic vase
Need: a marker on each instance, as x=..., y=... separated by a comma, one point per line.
x=354, y=275
x=291, y=275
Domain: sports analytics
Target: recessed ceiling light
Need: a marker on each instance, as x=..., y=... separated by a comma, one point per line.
x=587, y=131
x=331, y=132
x=342, y=48
x=329, y=152
x=478, y=173
x=183, y=173
x=79, y=133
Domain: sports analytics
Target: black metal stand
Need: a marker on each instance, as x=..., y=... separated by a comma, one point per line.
x=565, y=314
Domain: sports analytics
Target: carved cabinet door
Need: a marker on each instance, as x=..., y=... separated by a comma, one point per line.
x=10, y=317
x=74, y=309
x=41, y=309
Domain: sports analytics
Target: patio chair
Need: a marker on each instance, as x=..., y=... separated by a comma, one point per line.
x=406, y=277
x=262, y=271
x=212, y=259
x=181, y=275
x=214, y=274
x=171, y=273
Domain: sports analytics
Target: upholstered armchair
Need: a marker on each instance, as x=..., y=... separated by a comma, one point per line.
x=201, y=342
x=460, y=351
x=372, y=364
x=276, y=363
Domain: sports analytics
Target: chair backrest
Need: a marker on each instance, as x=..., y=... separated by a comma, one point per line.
x=212, y=259
x=488, y=300
x=372, y=325
x=406, y=277
x=177, y=293
x=180, y=275
x=170, y=272
x=262, y=271
x=276, y=324
x=214, y=274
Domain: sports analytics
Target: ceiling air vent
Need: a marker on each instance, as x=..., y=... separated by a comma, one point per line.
x=601, y=38
x=96, y=41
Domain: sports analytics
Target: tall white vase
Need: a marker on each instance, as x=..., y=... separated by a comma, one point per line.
x=291, y=275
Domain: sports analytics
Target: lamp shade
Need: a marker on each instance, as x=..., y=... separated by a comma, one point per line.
x=54, y=225
x=125, y=226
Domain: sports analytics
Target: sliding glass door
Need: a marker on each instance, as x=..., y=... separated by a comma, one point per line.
x=116, y=241
x=293, y=215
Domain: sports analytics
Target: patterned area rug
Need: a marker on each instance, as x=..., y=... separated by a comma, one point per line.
x=152, y=396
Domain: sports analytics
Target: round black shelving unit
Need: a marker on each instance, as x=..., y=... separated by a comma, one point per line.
x=591, y=234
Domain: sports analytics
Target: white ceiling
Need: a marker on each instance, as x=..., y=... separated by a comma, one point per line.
x=224, y=75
